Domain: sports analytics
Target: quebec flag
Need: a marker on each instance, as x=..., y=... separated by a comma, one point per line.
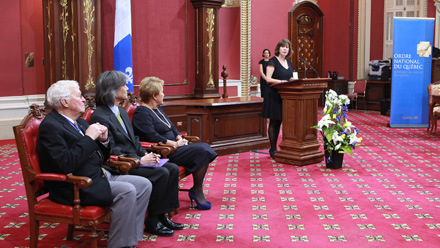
x=123, y=57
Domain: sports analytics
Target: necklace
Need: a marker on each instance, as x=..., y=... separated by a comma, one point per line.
x=164, y=121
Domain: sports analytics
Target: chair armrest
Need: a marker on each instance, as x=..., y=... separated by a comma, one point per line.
x=163, y=149
x=82, y=182
x=51, y=177
x=147, y=145
x=119, y=165
x=191, y=139
x=135, y=162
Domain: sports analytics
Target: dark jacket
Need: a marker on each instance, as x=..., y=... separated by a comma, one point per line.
x=122, y=143
x=63, y=149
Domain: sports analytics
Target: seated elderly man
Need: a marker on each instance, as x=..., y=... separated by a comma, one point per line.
x=110, y=92
x=67, y=144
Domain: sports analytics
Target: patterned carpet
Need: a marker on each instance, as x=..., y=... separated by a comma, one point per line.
x=386, y=195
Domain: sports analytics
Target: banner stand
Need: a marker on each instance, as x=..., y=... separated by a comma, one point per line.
x=411, y=72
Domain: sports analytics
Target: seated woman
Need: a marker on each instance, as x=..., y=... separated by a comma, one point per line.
x=110, y=92
x=151, y=124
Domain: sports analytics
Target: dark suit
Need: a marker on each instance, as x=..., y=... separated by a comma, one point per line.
x=164, y=197
x=63, y=149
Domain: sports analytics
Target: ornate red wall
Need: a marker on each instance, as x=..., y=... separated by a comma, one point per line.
x=159, y=40
x=160, y=44
x=21, y=31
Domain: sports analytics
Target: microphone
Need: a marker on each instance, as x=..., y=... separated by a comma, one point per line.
x=303, y=60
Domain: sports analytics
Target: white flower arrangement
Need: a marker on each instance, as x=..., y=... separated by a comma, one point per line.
x=338, y=133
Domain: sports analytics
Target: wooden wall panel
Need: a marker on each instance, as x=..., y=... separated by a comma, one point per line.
x=72, y=33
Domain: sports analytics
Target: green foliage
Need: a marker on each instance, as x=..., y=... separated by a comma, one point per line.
x=338, y=133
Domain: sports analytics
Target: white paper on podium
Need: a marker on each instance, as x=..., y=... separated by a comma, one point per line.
x=295, y=75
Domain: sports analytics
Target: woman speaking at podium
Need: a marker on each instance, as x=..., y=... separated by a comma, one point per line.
x=279, y=70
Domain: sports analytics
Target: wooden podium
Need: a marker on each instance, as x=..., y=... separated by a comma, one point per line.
x=300, y=112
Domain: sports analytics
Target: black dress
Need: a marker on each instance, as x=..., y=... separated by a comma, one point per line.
x=151, y=125
x=263, y=83
x=272, y=104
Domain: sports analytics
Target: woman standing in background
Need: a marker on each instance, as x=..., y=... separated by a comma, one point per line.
x=263, y=64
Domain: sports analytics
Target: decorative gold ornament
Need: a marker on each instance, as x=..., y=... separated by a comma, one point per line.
x=231, y=3
x=210, y=29
x=72, y=37
x=89, y=18
x=49, y=38
x=63, y=17
x=245, y=47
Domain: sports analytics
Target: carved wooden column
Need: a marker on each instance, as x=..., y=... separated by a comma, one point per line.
x=72, y=42
x=206, y=31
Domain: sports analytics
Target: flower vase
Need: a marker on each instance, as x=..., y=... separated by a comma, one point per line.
x=336, y=160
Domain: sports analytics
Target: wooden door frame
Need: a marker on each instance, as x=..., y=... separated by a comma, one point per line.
x=300, y=13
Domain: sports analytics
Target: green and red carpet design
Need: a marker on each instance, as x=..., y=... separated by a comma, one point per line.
x=386, y=195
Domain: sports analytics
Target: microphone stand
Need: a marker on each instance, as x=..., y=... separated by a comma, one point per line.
x=303, y=60
x=305, y=71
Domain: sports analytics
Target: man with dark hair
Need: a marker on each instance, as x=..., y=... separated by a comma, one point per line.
x=110, y=92
x=68, y=144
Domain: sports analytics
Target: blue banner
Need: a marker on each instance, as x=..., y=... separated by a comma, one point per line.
x=123, y=56
x=411, y=71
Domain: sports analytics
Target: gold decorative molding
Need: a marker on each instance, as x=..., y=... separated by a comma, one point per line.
x=308, y=31
x=63, y=17
x=363, y=41
x=231, y=3
x=90, y=19
x=49, y=38
x=245, y=40
x=305, y=19
x=72, y=37
x=197, y=41
x=210, y=21
x=437, y=5
x=300, y=1
x=437, y=21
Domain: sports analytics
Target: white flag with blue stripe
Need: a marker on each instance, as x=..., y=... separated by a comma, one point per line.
x=123, y=57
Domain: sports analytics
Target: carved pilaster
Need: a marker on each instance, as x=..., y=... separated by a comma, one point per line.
x=437, y=20
x=72, y=33
x=206, y=46
x=245, y=47
x=437, y=5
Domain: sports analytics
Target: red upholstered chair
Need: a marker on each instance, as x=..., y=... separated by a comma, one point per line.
x=360, y=87
x=434, y=105
x=40, y=207
x=90, y=107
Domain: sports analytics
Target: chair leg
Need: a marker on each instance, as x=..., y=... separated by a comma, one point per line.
x=93, y=237
x=70, y=229
x=34, y=225
x=429, y=123
x=435, y=123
